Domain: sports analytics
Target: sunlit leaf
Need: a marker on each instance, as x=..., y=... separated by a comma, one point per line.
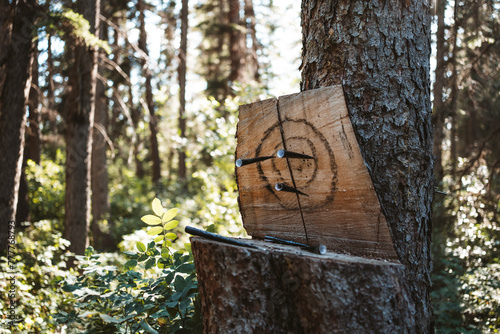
x=157, y=207
x=151, y=220
x=165, y=253
x=170, y=214
x=140, y=246
x=171, y=224
x=172, y=236
x=155, y=230
x=159, y=238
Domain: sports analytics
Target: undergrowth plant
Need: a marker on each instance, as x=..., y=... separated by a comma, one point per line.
x=155, y=291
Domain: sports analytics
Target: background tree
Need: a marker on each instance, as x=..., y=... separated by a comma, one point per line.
x=15, y=62
x=182, y=88
x=100, y=143
x=385, y=75
x=153, y=126
x=79, y=108
x=466, y=219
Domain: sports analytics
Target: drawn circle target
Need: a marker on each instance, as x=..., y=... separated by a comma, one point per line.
x=316, y=176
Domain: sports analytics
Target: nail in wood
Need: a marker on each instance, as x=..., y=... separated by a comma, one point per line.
x=243, y=162
x=284, y=187
x=292, y=155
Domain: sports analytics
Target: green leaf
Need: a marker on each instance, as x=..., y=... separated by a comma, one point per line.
x=150, y=263
x=109, y=319
x=171, y=224
x=130, y=264
x=169, y=215
x=140, y=246
x=157, y=207
x=148, y=328
x=155, y=230
x=172, y=236
x=159, y=238
x=151, y=220
x=89, y=251
x=165, y=253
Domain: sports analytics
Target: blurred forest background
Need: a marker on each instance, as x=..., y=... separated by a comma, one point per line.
x=170, y=78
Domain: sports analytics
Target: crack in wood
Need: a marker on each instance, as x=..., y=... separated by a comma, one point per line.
x=282, y=133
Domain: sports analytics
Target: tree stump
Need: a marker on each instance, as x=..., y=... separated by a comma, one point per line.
x=282, y=289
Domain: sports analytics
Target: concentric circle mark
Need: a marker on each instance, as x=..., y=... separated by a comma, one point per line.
x=316, y=176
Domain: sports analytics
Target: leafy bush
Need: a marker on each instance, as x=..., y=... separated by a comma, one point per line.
x=159, y=297
x=40, y=261
x=46, y=188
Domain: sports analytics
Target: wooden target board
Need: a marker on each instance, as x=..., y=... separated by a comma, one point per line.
x=327, y=198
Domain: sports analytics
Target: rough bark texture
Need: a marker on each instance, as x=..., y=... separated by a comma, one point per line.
x=80, y=108
x=281, y=289
x=379, y=51
x=16, y=77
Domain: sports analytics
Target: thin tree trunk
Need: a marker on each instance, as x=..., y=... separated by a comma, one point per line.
x=182, y=172
x=380, y=53
x=453, y=102
x=236, y=42
x=79, y=127
x=253, y=60
x=439, y=111
x=33, y=142
x=13, y=99
x=153, y=126
x=99, y=171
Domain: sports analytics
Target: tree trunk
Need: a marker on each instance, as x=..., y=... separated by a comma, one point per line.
x=99, y=166
x=236, y=42
x=13, y=99
x=380, y=53
x=153, y=126
x=438, y=105
x=182, y=172
x=33, y=139
x=253, y=60
x=280, y=289
x=80, y=108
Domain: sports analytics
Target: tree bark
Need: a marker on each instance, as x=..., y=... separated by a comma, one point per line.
x=80, y=108
x=280, y=289
x=32, y=145
x=438, y=105
x=99, y=165
x=13, y=99
x=253, y=59
x=153, y=126
x=380, y=53
x=236, y=42
x=182, y=172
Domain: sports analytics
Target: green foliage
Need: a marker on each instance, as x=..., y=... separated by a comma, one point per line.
x=129, y=197
x=159, y=297
x=40, y=261
x=80, y=28
x=46, y=188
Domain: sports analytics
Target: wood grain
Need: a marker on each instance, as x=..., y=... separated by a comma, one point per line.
x=341, y=210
